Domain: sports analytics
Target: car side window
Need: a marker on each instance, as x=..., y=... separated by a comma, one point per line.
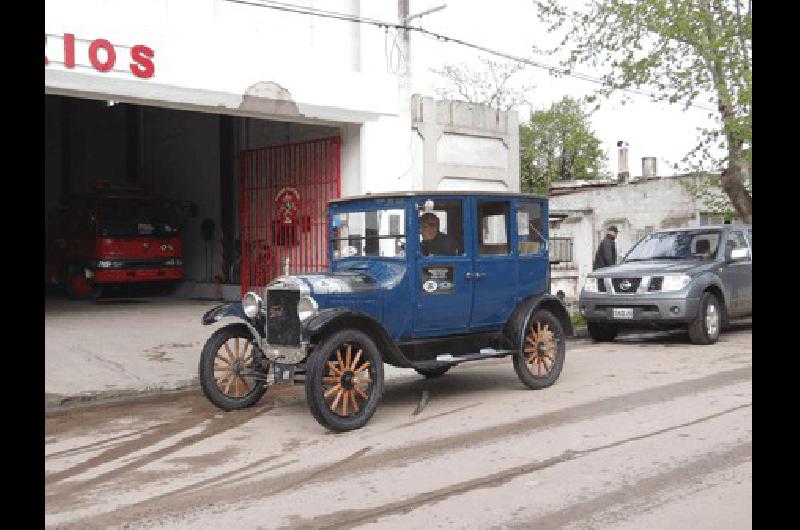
x=441, y=227
x=493, y=233
x=735, y=240
x=529, y=228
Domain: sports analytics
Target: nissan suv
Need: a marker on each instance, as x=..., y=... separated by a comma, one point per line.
x=698, y=278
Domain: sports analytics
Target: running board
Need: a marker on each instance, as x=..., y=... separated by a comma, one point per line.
x=486, y=353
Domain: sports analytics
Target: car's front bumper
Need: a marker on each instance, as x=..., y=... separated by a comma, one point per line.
x=647, y=309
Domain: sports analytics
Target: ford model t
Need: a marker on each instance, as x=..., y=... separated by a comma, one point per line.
x=417, y=280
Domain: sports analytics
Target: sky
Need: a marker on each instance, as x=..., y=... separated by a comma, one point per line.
x=664, y=131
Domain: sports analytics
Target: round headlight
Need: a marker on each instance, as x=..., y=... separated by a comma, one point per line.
x=307, y=307
x=251, y=304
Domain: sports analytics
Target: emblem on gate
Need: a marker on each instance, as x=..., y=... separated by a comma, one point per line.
x=624, y=285
x=287, y=203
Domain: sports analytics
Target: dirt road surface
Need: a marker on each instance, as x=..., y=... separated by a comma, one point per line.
x=646, y=432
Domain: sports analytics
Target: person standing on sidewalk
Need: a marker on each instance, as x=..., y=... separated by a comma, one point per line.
x=607, y=251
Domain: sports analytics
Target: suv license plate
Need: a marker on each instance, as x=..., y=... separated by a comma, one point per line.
x=622, y=312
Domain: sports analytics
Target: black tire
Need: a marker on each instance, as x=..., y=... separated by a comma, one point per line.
x=233, y=391
x=322, y=378
x=94, y=292
x=602, y=332
x=702, y=329
x=430, y=373
x=540, y=368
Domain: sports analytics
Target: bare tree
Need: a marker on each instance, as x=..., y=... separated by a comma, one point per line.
x=493, y=84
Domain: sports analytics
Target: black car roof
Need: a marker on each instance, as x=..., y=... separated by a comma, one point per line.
x=406, y=194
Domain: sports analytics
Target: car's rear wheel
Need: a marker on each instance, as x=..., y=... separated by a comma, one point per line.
x=602, y=332
x=344, y=380
x=706, y=326
x=543, y=350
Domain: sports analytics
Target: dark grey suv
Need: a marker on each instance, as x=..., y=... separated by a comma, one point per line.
x=698, y=278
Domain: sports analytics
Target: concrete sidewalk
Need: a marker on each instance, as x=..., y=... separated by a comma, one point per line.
x=121, y=348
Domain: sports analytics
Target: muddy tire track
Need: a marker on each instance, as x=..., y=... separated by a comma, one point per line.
x=360, y=461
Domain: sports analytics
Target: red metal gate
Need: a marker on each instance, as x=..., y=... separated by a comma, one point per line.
x=282, y=206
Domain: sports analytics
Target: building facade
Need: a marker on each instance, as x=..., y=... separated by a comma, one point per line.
x=233, y=107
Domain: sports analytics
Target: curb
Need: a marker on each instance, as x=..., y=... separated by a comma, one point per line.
x=56, y=403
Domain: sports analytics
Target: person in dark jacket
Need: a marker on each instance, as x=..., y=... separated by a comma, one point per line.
x=435, y=243
x=607, y=252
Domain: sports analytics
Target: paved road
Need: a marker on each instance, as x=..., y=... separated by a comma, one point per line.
x=647, y=432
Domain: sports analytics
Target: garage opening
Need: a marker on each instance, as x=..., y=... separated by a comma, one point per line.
x=218, y=202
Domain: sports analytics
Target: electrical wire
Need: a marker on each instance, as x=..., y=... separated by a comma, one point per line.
x=552, y=70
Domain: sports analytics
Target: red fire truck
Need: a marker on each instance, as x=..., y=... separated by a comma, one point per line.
x=112, y=236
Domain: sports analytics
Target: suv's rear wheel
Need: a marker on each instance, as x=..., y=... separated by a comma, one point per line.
x=602, y=332
x=705, y=328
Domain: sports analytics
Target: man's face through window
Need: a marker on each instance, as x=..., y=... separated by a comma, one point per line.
x=428, y=226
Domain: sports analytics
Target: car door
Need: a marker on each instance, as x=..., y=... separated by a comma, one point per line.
x=495, y=270
x=737, y=275
x=443, y=286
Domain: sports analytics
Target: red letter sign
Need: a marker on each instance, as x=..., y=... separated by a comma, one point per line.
x=112, y=56
x=69, y=50
x=142, y=55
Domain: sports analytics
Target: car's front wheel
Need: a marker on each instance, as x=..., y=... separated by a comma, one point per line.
x=232, y=373
x=344, y=380
x=602, y=332
x=705, y=328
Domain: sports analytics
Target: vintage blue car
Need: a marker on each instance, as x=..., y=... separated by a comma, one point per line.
x=418, y=280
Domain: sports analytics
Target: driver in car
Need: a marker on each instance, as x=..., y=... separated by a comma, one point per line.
x=435, y=243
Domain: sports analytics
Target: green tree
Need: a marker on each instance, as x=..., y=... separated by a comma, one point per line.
x=558, y=144
x=684, y=49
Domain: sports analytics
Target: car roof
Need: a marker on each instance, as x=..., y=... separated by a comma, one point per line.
x=704, y=227
x=407, y=194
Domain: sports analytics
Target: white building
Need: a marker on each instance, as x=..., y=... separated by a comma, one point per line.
x=191, y=97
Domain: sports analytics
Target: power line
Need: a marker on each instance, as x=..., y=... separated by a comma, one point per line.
x=292, y=8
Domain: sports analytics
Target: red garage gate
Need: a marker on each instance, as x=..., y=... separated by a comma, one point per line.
x=282, y=206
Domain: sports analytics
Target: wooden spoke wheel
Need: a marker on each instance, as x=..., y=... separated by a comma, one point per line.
x=232, y=368
x=348, y=382
x=539, y=361
x=344, y=380
x=540, y=348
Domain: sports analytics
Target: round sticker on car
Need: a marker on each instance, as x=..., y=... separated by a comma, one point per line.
x=429, y=286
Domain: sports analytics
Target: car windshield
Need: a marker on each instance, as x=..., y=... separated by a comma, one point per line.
x=136, y=217
x=684, y=244
x=377, y=233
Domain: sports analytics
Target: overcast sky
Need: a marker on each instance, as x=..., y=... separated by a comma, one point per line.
x=652, y=129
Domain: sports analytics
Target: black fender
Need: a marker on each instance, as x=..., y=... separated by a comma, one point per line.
x=233, y=310
x=519, y=317
x=339, y=318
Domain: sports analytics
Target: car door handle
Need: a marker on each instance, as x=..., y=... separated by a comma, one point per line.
x=475, y=275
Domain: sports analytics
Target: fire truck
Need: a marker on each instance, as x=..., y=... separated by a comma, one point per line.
x=112, y=236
